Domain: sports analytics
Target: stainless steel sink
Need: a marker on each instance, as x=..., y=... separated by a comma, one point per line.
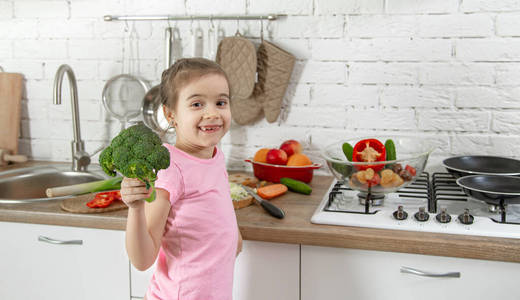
x=28, y=185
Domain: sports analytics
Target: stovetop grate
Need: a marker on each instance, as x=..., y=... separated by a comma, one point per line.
x=440, y=186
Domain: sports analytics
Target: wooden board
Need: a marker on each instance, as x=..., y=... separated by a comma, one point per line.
x=244, y=179
x=79, y=205
x=11, y=89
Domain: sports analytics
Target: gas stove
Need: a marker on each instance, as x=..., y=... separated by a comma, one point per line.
x=432, y=203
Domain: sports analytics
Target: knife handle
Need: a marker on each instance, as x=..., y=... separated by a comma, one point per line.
x=272, y=209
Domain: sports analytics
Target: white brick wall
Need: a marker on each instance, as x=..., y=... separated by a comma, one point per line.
x=448, y=70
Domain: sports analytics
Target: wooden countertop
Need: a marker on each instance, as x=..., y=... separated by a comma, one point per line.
x=256, y=224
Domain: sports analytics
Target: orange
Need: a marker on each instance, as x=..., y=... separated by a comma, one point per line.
x=299, y=159
x=261, y=155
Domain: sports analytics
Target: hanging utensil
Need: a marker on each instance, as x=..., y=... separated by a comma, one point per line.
x=197, y=41
x=122, y=94
x=152, y=113
x=212, y=41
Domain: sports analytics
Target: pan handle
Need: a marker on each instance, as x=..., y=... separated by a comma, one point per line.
x=429, y=274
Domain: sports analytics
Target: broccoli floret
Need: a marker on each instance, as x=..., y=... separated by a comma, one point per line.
x=107, y=162
x=136, y=152
x=157, y=157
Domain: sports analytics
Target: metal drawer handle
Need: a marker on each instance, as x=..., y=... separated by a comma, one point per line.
x=429, y=274
x=45, y=239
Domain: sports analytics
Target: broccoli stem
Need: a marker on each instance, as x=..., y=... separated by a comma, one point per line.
x=152, y=195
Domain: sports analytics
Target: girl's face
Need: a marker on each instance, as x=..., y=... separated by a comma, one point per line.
x=202, y=115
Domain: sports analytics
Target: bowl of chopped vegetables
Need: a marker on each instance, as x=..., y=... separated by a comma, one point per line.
x=377, y=165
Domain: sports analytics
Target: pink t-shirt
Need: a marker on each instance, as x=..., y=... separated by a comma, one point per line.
x=197, y=256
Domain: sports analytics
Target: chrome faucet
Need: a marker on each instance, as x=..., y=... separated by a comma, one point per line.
x=80, y=158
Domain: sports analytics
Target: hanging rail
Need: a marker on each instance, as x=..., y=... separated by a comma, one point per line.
x=269, y=17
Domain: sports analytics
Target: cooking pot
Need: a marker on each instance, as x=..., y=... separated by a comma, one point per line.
x=460, y=166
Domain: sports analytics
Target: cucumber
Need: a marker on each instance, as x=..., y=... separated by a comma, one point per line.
x=347, y=150
x=296, y=185
x=390, y=150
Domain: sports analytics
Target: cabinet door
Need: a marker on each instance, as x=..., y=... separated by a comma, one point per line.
x=55, y=262
x=139, y=281
x=262, y=271
x=267, y=271
x=337, y=273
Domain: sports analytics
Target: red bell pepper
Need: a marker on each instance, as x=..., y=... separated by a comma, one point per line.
x=104, y=199
x=369, y=150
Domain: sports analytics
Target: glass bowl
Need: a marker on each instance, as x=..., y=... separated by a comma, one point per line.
x=381, y=177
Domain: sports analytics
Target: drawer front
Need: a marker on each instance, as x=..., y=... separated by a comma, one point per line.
x=337, y=273
x=56, y=262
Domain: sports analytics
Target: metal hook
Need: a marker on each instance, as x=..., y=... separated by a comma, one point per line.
x=211, y=22
x=262, y=29
x=238, y=26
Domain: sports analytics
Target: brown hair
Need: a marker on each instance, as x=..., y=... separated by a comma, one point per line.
x=181, y=73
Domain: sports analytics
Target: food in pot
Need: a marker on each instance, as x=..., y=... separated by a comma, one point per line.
x=390, y=179
x=276, y=157
x=390, y=150
x=348, y=150
x=291, y=147
x=299, y=159
x=261, y=155
x=369, y=150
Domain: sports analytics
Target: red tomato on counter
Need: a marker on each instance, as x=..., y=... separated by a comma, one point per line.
x=369, y=150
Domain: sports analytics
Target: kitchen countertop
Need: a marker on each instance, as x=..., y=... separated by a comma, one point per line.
x=295, y=228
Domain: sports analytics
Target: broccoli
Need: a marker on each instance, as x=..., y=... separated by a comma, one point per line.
x=136, y=152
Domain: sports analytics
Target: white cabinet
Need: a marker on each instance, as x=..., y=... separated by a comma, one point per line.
x=267, y=271
x=55, y=262
x=262, y=271
x=338, y=273
x=139, y=281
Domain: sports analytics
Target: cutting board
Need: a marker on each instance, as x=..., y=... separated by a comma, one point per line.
x=79, y=205
x=11, y=89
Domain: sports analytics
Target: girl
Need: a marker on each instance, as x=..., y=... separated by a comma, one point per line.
x=191, y=226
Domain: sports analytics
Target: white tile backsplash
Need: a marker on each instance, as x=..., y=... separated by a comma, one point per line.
x=442, y=69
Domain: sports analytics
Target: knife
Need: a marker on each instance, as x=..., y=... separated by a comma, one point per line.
x=272, y=209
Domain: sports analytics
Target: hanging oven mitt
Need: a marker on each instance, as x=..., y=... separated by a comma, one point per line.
x=275, y=67
x=237, y=56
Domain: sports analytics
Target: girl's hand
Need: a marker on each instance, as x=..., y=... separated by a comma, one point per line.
x=133, y=192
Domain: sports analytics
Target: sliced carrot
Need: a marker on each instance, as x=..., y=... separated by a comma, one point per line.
x=271, y=191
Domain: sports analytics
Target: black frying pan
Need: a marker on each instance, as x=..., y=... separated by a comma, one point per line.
x=482, y=165
x=493, y=189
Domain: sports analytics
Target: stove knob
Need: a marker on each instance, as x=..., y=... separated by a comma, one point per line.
x=400, y=214
x=443, y=217
x=422, y=215
x=465, y=217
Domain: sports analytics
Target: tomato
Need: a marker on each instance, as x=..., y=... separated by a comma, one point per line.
x=410, y=170
x=369, y=150
x=104, y=199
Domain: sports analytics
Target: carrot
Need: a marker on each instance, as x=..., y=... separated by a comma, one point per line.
x=271, y=191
